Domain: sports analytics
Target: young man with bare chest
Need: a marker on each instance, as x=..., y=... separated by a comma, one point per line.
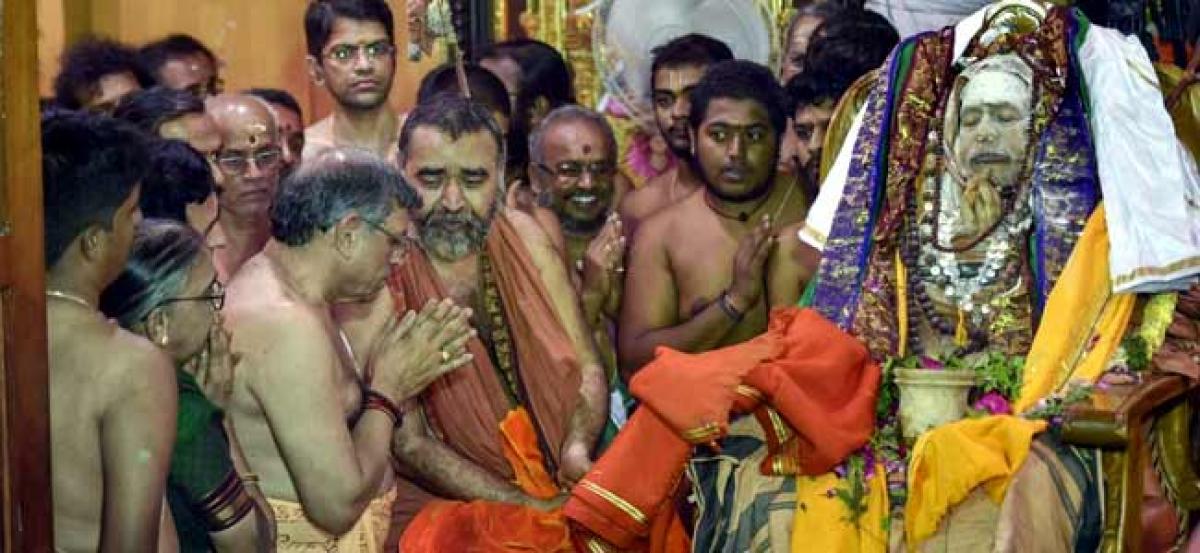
x=314, y=417
x=678, y=65
x=352, y=54
x=705, y=272
x=112, y=393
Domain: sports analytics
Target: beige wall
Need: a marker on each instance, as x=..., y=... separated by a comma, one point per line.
x=260, y=42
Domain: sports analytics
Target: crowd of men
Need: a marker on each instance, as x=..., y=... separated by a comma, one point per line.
x=419, y=330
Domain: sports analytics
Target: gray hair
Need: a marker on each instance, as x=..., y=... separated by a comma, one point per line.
x=568, y=114
x=332, y=185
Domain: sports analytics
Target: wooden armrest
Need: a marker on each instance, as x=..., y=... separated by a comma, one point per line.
x=1106, y=421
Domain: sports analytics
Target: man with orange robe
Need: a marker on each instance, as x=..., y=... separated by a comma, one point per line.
x=486, y=453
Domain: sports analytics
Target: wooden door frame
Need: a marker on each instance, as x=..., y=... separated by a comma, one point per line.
x=27, y=521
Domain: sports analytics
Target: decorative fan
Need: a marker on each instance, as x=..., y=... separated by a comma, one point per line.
x=625, y=31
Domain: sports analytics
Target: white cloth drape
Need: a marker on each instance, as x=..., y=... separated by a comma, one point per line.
x=1148, y=178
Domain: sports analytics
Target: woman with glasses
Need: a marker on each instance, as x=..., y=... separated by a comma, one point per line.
x=169, y=293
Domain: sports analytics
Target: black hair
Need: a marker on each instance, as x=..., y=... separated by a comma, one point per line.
x=149, y=109
x=486, y=87
x=847, y=46
x=544, y=74
x=155, y=55
x=739, y=80
x=689, y=49
x=90, y=166
x=278, y=97
x=162, y=255
x=451, y=114
x=86, y=62
x=321, y=14
x=178, y=176
x=823, y=11
x=335, y=183
x=809, y=89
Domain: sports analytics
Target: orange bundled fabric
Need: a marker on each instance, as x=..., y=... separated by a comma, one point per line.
x=819, y=379
x=491, y=527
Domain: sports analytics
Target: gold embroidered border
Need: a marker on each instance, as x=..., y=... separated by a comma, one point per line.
x=782, y=431
x=1156, y=271
x=750, y=392
x=814, y=234
x=616, y=500
x=594, y=546
x=702, y=434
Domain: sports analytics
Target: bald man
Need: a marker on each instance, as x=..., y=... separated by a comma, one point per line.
x=250, y=161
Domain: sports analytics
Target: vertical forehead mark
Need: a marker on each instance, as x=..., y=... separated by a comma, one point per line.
x=587, y=148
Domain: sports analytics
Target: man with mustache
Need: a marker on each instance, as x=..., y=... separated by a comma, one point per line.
x=704, y=272
x=573, y=161
x=352, y=53
x=678, y=65
x=703, y=277
x=517, y=426
x=250, y=161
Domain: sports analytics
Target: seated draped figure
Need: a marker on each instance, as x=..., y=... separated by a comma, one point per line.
x=1012, y=200
x=1011, y=209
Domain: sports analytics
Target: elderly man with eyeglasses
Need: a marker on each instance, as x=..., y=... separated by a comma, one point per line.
x=352, y=53
x=573, y=169
x=250, y=162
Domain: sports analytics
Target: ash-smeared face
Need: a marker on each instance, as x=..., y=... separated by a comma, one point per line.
x=994, y=118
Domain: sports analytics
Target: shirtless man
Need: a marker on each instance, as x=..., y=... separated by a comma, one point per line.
x=250, y=161
x=704, y=272
x=314, y=418
x=501, y=264
x=678, y=65
x=573, y=160
x=352, y=53
x=112, y=393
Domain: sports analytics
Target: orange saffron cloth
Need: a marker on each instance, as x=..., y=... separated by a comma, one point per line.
x=821, y=381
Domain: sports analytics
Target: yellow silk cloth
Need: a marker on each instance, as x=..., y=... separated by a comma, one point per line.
x=950, y=461
x=1083, y=322
x=1081, y=328
x=824, y=523
x=294, y=533
x=1186, y=112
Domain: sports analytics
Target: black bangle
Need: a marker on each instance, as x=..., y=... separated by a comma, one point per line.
x=727, y=306
x=379, y=402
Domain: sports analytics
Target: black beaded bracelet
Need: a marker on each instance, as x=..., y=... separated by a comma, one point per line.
x=379, y=402
x=727, y=306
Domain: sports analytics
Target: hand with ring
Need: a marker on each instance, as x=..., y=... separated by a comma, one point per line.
x=414, y=350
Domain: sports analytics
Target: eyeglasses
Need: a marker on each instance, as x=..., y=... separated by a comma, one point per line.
x=344, y=54
x=235, y=164
x=215, y=296
x=574, y=170
x=400, y=244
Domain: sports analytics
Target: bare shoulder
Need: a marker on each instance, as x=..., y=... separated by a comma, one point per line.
x=531, y=231
x=136, y=367
x=547, y=257
x=663, y=223
x=318, y=137
x=640, y=203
